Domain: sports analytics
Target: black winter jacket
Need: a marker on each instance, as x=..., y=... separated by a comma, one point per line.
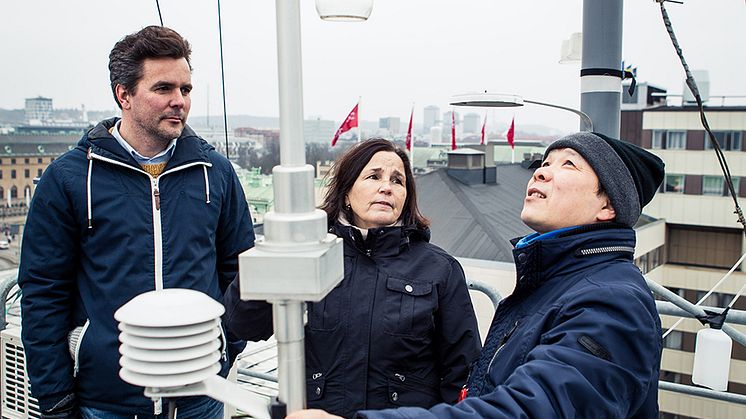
x=399, y=330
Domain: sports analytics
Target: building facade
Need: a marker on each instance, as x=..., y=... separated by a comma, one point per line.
x=703, y=239
x=430, y=117
x=23, y=159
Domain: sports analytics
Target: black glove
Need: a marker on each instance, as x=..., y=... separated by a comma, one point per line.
x=67, y=408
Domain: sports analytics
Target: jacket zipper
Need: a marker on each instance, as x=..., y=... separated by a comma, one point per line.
x=156, y=205
x=78, y=344
x=503, y=341
x=606, y=249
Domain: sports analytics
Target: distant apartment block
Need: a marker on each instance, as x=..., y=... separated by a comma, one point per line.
x=38, y=110
x=430, y=117
x=472, y=123
x=390, y=123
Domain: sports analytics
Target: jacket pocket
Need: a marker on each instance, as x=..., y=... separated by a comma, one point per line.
x=405, y=390
x=75, y=342
x=326, y=314
x=408, y=307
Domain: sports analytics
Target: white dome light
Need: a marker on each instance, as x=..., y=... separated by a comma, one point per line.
x=344, y=10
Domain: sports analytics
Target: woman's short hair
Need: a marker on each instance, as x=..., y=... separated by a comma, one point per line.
x=346, y=170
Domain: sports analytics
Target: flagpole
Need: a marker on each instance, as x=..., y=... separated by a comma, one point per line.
x=411, y=139
x=359, y=121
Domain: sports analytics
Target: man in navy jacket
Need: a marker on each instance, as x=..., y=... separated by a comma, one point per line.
x=142, y=203
x=580, y=335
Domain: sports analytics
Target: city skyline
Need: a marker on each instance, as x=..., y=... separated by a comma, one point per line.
x=417, y=51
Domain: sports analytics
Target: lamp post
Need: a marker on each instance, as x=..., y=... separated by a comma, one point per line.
x=498, y=100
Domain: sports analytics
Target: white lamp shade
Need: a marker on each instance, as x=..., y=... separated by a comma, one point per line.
x=487, y=99
x=344, y=10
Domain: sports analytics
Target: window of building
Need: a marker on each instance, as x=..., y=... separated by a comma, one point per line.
x=712, y=300
x=674, y=340
x=650, y=260
x=40, y=160
x=671, y=377
x=38, y=173
x=13, y=174
x=26, y=161
x=14, y=192
x=715, y=185
x=12, y=161
x=1, y=176
x=676, y=140
x=1, y=161
x=26, y=173
x=669, y=139
x=728, y=140
x=674, y=184
x=703, y=246
x=658, y=136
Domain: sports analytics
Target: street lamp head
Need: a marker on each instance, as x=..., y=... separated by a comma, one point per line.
x=344, y=10
x=500, y=100
x=486, y=99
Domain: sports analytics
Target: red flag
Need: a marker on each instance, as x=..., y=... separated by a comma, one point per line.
x=483, y=125
x=349, y=123
x=409, y=131
x=511, y=134
x=453, y=130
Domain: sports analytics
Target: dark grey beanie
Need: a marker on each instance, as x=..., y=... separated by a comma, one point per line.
x=629, y=174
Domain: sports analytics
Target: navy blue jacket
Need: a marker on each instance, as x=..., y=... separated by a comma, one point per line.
x=399, y=330
x=100, y=231
x=579, y=337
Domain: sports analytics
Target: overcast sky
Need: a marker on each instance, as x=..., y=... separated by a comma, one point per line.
x=420, y=51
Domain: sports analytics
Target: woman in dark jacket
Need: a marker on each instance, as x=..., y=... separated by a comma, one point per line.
x=399, y=330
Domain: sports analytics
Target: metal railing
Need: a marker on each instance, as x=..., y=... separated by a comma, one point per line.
x=675, y=306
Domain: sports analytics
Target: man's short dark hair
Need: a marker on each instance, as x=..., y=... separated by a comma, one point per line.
x=127, y=56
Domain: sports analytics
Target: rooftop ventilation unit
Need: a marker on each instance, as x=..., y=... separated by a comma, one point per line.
x=15, y=391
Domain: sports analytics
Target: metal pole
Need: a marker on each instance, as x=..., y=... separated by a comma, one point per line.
x=5, y=286
x=291, y=363
x=702, y=392
x=692, y=309
x=601, y=74
x=670, y=309
x=293, y=195
x=290, y=77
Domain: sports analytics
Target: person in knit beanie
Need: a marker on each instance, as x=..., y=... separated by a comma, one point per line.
x=580, y=335
x=628, y=174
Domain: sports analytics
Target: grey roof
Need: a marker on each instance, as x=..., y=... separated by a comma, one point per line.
x=475, y=221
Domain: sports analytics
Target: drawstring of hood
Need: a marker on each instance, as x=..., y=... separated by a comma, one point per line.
x=89, y=206
x=88, y=189
x=207, y=186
